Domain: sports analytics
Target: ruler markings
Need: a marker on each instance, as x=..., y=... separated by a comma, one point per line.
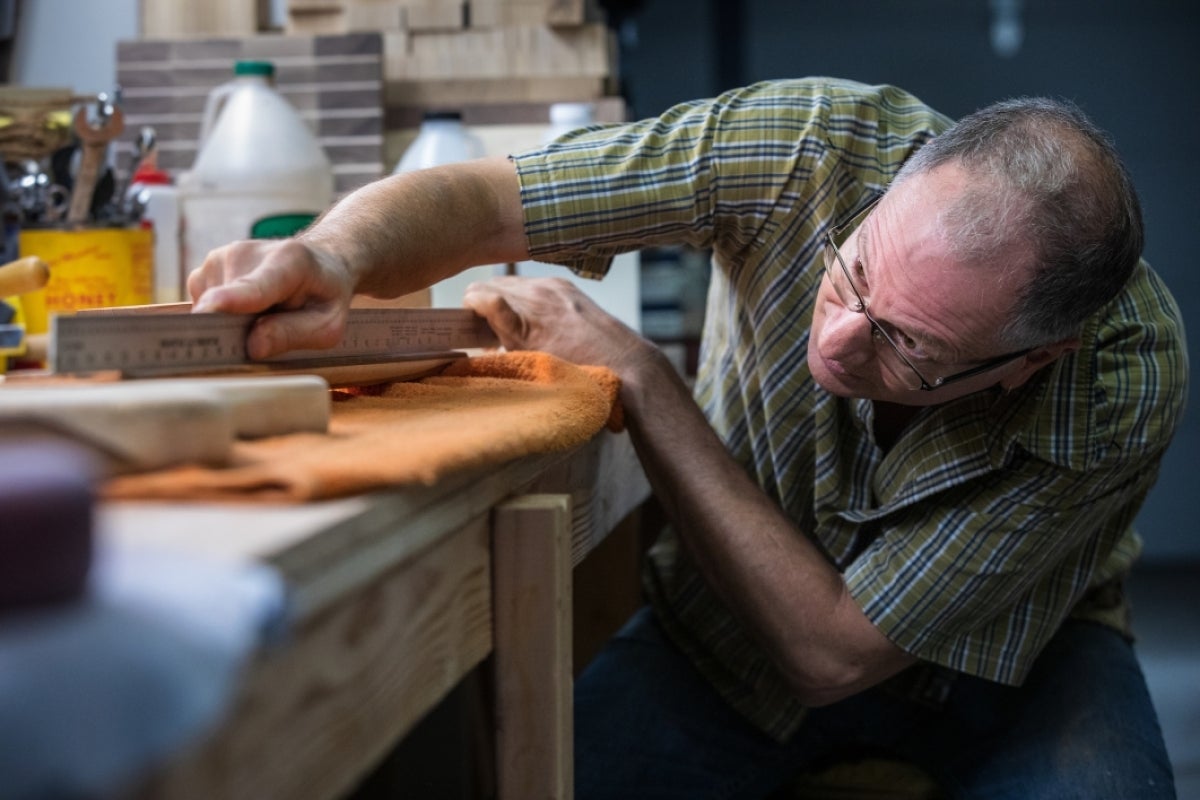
x=146, y=342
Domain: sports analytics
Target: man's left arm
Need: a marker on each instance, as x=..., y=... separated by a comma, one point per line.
x=776, y=580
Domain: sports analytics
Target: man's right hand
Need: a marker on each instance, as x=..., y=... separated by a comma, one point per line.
x=305, y=293
x=386, y=239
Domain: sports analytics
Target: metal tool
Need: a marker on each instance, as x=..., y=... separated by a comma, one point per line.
x=144, y=148
x=35, y=198
x=94, y=140
x=155, y=344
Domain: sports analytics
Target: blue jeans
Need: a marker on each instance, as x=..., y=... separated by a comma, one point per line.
x=648, y=727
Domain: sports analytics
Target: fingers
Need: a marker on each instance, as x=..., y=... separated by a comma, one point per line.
x=306, y=293
x=247, y=277
x=307, y=328
x=488, y=301
x=554, y=316
x=243, y=296
x=221, y=266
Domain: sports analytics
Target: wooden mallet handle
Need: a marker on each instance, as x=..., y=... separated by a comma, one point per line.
x=26, y=274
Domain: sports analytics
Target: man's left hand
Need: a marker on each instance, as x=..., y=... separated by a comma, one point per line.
x=555, y=316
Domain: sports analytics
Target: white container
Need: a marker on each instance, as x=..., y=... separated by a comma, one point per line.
x=159, y=199
x=259, y=172
x=566, y=117
x=442, y=139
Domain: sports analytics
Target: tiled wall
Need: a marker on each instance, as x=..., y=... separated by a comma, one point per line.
x=335, y=82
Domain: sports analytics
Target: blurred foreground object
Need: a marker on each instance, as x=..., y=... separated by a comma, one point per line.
x=45, y=518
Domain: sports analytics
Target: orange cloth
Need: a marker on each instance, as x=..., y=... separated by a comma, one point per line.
x=478, y=411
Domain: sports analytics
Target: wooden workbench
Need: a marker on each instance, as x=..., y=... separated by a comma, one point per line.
x=397, y=595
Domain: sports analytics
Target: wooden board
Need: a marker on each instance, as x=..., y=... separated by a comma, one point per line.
x=350, y=681
x=531, y=573
x=351, y=16
x=391, y=595
x=441, y=94
x=346, y=16
x=558, y=13
x=507, y=65
x=153, y=424
x=440, y=15
x=183, y=18
x=515, y=51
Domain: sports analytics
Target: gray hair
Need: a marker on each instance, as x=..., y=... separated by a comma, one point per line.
x=1049, y=188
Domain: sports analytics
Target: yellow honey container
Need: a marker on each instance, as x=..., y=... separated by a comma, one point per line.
x=89, y=268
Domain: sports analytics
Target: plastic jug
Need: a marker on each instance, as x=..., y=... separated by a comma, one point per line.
x=566, y=117
x=442, y=139
x=259, y=172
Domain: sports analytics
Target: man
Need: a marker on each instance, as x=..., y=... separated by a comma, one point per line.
x=935, y=387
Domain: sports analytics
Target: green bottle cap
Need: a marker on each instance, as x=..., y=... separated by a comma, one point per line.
x=265, y=68
x=280, y=226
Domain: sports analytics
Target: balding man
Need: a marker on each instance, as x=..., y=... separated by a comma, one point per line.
x=935, y=386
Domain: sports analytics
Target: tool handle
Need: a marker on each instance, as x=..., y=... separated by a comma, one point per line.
x=26, y=274
x=85, y=182
x=94, y=143
x=213, y=107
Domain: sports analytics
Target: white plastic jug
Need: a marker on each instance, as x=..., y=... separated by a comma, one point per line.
x=260, y=171
x=566, y=117
x=441, y=139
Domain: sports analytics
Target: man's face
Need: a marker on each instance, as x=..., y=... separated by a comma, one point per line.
x=940, y=313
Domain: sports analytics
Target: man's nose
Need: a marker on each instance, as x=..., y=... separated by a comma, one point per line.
x=847, y=335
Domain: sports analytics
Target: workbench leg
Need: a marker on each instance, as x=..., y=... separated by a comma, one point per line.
x=531, y=585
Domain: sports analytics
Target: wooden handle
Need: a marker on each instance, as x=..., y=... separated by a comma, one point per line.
x=26, y=274
x=85, y=182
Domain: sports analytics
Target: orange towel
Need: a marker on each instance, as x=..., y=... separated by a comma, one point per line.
x=478, y=411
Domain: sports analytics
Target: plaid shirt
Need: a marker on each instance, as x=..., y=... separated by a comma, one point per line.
x=994, y=516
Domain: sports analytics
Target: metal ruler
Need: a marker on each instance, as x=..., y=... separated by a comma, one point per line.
x=147, y=345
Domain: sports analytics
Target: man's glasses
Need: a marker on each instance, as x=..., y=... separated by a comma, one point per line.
x=853, y=298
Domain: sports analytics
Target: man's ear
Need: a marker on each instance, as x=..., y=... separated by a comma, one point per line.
x=1035, y=359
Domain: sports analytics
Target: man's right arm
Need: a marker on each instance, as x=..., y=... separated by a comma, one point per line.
x=391, y=237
